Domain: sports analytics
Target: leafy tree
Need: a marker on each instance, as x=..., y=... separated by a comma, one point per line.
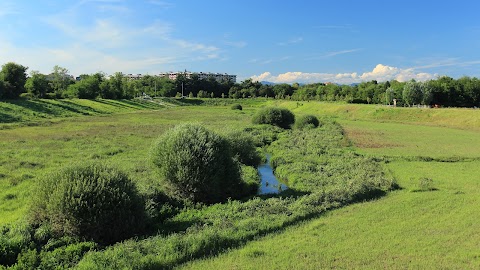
x=412, y=93
x=14, y=77
x=88, y=87
x=389, y=95
x=59, y=80
x=282, y=90
x=37, y=84
x=202, y=94
x=427, y=93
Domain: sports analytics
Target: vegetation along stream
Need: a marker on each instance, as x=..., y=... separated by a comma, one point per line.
x=269, y=183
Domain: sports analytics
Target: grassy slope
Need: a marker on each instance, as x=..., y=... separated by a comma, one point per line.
x=402, y=230
x=405, y=229
x=119, y=132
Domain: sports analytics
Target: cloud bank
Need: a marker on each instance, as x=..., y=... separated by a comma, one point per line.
x=380, y=73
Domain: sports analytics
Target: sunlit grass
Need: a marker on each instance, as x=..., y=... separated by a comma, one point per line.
x=121, y=139
x=413, y=230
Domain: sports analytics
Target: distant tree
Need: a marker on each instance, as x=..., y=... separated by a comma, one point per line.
x=427, y=93
x=59, y=80
x=37, y=84
x=282, y=90
x=202, y=94
x=412, y=93
x=389, y=95
x=14, y=77
x=88, y=87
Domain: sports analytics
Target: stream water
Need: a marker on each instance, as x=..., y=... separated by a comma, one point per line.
x=269, y=183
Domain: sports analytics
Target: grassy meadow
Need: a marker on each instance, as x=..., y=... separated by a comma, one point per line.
x=405, y=228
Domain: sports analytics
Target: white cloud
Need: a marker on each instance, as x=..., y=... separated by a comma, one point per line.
x=379, y=73
x=331, y=54
x=291, y=41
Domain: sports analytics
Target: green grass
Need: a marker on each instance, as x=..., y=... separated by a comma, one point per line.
x=122, y=139
x=404, y=229
x=405, y=140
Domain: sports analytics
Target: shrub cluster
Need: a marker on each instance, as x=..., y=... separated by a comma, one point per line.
x=237, y=107
x=197, y=164
x=307, y=121
x=243, y=148
x=92, y=202
x=280, y=117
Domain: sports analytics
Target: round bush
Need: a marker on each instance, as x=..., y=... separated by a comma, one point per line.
x=196, y=164
x=91, y=201
x=307, y=121
x=237, y=107
x=280, y=117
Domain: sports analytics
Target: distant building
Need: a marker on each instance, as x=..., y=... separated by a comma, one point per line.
x=219, y=77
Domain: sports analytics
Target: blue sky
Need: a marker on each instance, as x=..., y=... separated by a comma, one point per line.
x=279, y=41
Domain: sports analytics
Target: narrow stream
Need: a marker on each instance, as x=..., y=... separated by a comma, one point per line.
x=269, y=183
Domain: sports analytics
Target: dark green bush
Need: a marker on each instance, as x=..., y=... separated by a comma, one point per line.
x=280, y=117
x=13, y=239
x=92, y=202
x=307, y=121
x=243, y=148
x=237, y=107
x=196, y=164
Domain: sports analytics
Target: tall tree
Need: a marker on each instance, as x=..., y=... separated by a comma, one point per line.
x=59, y=80
x=37, y=84
x=412, y=93
x=14, y=77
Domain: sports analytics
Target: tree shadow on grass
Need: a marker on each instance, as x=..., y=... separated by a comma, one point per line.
x=7, y=118
x=77, y=108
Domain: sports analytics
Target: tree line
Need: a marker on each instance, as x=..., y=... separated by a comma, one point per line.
x=443, y=91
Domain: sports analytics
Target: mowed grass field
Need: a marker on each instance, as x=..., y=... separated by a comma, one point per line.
x=403, y=230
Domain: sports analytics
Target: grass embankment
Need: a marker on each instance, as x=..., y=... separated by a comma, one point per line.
x=34, y=110
x=458, y=118
x=405, y=229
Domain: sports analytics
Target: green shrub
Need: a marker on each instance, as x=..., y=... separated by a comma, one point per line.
x=236, y=107
x=425, y=184
x=13, y=239
x=263, y=135
x=307, y=121
x=280, y=117
x=92, y=202
x=243, y=148
x=196, y=164
x=252, y=180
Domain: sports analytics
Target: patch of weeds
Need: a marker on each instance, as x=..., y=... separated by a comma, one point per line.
x=255, y=253
x=425, y=184
x=9, y=197
x=30, y=165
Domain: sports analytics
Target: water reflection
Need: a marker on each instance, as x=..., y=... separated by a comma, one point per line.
x=269, y=183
